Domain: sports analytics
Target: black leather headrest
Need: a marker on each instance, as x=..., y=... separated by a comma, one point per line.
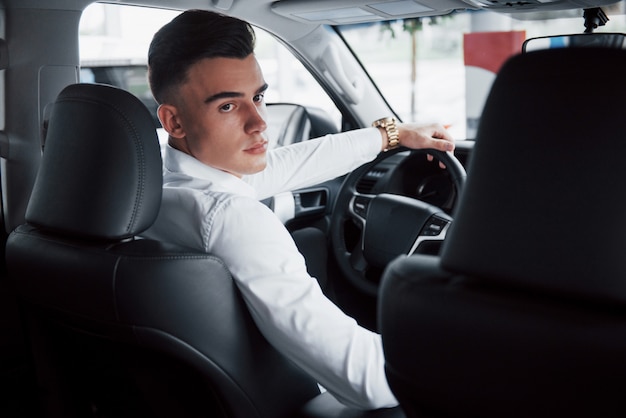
x=101, y=174
x=545, y=202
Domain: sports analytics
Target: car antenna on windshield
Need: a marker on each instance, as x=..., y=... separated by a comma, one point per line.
x=594, y=17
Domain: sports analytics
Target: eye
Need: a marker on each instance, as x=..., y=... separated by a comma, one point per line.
x=227, y=107
x=259, y=98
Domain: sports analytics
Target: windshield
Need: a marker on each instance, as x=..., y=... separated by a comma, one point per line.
x=440, y=69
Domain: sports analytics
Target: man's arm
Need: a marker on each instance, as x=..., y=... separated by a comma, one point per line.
x=291, y=311
x=312, y=162
x=315, y=161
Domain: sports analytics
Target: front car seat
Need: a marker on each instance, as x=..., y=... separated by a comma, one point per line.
x=127, y=327
x=524, y=313
x=122, y=326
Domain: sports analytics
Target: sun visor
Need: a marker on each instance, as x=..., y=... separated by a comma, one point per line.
x=361, y=11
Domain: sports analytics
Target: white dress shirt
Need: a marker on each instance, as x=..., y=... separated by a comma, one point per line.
x=219, y=213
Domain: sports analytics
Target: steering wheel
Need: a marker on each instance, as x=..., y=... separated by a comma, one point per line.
x=388, y=224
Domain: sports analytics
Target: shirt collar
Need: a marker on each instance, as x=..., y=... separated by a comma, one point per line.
x=178, y=163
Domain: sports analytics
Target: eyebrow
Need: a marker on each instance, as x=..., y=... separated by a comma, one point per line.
x=230, y=94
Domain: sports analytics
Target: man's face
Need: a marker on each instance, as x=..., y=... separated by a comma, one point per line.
x=220, y=115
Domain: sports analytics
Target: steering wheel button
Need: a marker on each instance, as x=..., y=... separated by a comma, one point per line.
x=360, y=206
x=434, y=227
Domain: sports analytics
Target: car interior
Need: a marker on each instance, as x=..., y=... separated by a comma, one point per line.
x=536, y=331
x=495, y=282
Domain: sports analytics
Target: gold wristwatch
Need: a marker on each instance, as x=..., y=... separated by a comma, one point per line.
x=393, y=136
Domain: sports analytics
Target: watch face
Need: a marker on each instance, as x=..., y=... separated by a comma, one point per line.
x=384, y=122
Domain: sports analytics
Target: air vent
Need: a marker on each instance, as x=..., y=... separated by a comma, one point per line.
x=367, y=183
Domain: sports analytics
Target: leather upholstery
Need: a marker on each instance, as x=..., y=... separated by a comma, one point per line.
x=109, y=186
x=523, y=314
x=289, y=123
x=129, y=327
x=292, y=123
x=542, y=206
x=126, y=326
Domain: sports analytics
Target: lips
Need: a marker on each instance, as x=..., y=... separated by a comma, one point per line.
x=258, y=148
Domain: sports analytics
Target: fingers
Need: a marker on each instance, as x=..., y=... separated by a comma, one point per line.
x=441, y=140
x=442, y=144
x=430, y=158
x=442, y=133
x=432, y=136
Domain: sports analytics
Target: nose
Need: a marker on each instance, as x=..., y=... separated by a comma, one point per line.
x=256, y=118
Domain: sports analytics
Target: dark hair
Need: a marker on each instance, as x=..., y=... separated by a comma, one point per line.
x=190, y=37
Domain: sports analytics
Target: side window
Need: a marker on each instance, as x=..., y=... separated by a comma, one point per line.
x=114, y=42
x=288, y=79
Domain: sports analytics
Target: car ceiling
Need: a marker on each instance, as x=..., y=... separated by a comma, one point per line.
x=334, y=11
x=292, y=19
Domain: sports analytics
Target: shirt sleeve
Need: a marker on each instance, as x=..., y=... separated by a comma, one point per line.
x=312, y=162
x=290, y=309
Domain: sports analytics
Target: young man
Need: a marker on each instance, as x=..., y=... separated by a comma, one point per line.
x=205, y=76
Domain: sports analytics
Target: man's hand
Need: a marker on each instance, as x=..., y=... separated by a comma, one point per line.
x=425, y=136
x=434, y=136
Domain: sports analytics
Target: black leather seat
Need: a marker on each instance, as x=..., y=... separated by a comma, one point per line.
x=289, y=123
x=122, y=326
x=524, y=313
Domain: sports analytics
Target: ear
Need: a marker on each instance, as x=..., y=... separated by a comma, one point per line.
x=168, y=115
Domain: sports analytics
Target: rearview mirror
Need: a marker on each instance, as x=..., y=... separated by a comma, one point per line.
x=602, y=40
